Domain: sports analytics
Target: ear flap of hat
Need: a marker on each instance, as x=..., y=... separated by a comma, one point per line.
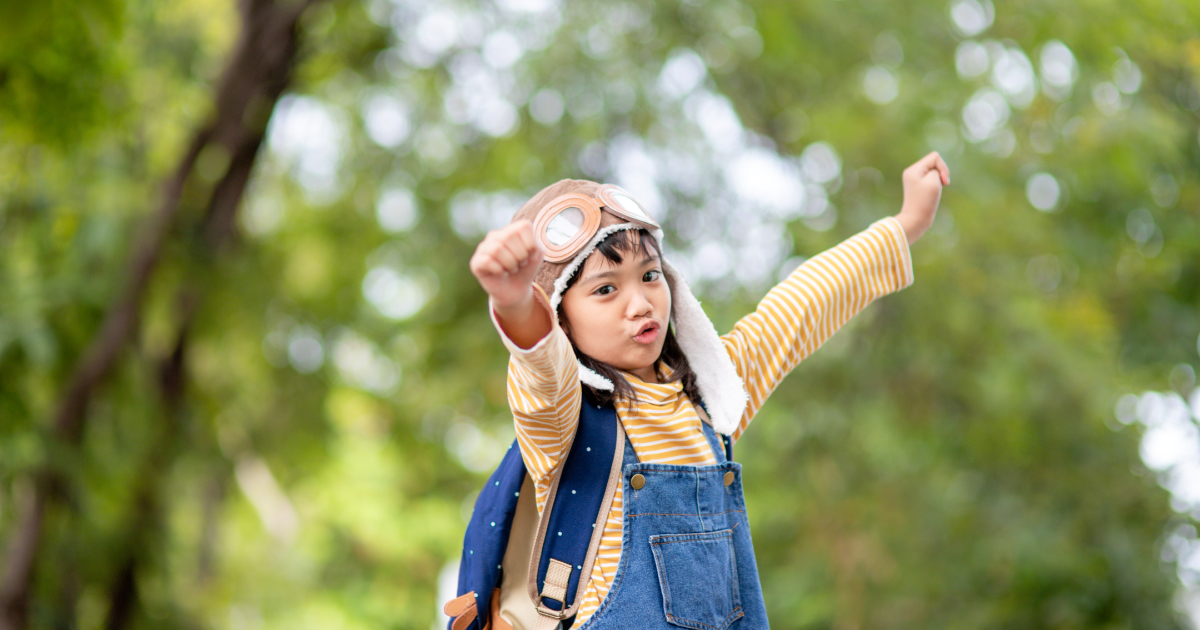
x=723, y=391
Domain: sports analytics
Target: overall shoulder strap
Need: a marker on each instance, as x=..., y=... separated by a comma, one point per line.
x=577, y=507
x=717, y=441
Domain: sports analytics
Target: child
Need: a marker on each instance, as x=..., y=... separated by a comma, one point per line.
x=623, y=330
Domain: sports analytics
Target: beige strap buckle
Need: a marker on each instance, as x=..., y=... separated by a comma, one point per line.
x=558, y=575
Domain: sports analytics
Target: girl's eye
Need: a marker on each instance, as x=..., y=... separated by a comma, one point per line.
x=651, y=275
x=605, y=290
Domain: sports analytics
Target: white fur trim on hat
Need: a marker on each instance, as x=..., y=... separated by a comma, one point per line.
x=588, y=376
x=721, y=389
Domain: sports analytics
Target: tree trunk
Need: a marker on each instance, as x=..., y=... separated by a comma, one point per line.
x=258, y=72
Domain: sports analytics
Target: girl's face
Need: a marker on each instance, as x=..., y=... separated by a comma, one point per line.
x=618, y=312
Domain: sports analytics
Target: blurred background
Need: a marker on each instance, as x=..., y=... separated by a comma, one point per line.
x=247, y=381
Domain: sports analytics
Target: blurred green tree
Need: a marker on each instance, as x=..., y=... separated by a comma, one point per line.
x=310, y=390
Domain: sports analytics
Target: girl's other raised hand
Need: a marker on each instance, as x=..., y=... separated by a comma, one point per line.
x=923, y=183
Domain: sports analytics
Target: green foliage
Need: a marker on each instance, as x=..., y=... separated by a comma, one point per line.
x=950, y=460
x=56, y=65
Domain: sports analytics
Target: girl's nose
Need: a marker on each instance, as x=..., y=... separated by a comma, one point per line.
x=639, y=305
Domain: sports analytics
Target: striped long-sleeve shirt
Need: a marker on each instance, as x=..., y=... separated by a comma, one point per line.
x=793, y=320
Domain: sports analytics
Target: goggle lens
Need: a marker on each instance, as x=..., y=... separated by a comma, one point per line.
x=564, y=226
x=631, y=207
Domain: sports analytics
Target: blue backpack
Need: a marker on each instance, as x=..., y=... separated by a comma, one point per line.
x=564, y=548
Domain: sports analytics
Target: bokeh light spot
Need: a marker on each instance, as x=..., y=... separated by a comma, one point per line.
x=1044, y=273
x=1165, y=190
x=1043, y=191
x=1059, y=70
x=396, y=210
x=502, y=49
x=386, y=120
x=1140, y=225
x=970, y=59
x=681, y=74
x=880, y=85
x=1126, y=75
x=1012, y=74
x=820, y=163
x=972, y=17
x=546, y=106
x=984, y=115
x=398, y=295
x=305, y=350
x=1107, y=98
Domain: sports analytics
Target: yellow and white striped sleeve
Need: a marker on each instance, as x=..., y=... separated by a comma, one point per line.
x=804, y=310
x=544, y=395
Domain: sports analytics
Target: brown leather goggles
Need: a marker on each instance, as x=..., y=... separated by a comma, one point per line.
x=567, y=224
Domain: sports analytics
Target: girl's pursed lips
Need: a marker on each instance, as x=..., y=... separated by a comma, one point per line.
x=647, y=332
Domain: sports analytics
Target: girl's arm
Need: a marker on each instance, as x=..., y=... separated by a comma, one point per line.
x=543, y=376
x=821, y=295
x=804, y=310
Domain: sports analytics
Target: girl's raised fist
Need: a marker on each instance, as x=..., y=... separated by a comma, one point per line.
x=923, y=183
x=506, y=262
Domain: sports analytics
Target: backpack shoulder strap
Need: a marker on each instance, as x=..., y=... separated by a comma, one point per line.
x=580, y=495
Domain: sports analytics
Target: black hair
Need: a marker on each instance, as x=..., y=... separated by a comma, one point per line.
x=614, y=247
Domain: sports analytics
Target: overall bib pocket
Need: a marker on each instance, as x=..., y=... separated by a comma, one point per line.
x=698, y=577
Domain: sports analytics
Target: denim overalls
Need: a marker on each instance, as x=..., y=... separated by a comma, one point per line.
x=686, y=557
